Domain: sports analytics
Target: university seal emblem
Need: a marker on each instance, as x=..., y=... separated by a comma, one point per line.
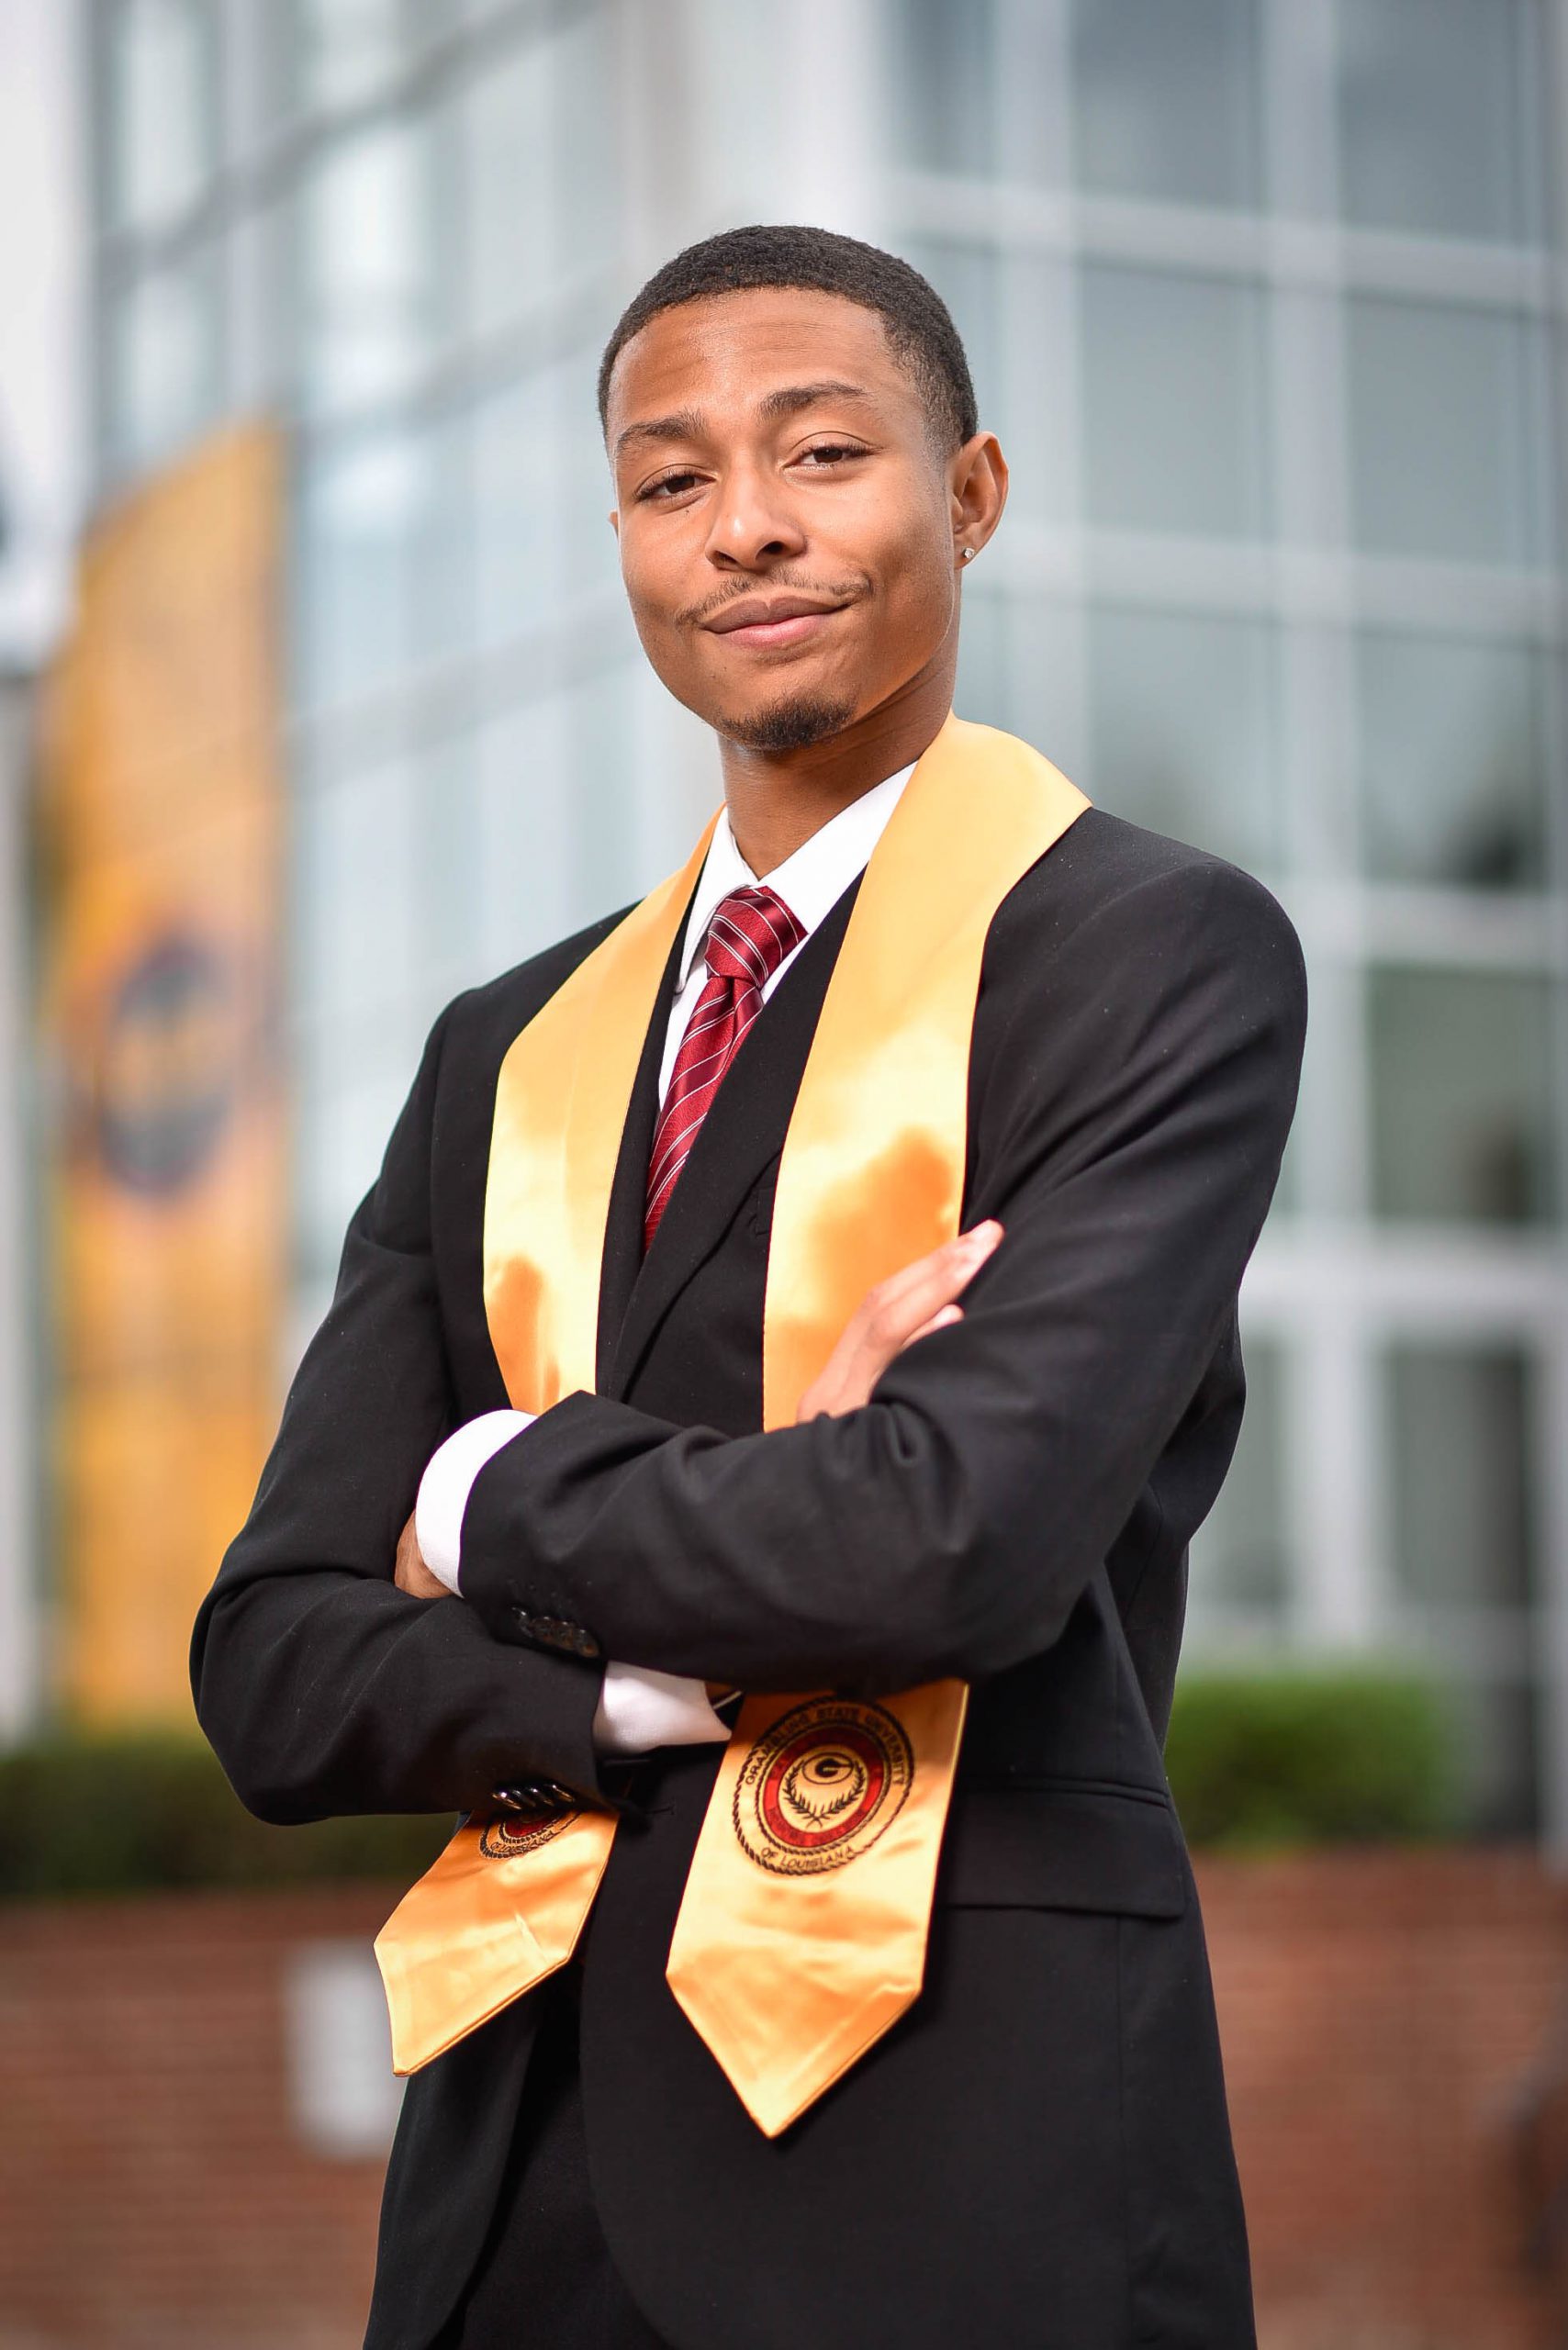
x=508, y=1839
x=822, y=1786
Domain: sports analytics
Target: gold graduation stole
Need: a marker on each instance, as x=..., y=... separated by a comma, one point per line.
x=802, y=1930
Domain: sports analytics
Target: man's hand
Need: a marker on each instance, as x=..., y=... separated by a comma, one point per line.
x=410, y=1572
x=904, y=1308
x=907, y=1304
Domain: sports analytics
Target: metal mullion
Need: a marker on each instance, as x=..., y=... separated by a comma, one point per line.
x=1408, y=924
x=1054, y=357
x=1332, y=1440
x=280, y=161
x=1035, y=37
x=1432, y=1281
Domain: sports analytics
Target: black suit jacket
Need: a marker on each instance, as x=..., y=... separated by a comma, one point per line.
x=1039, y=2152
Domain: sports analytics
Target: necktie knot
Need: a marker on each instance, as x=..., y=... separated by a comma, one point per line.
x=749, y=935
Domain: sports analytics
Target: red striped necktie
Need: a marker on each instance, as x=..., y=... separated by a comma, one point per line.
x=748, y=937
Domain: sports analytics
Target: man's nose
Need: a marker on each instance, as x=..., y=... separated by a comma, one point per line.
x=754, y=522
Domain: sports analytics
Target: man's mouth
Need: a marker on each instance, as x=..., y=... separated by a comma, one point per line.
x=763, y=622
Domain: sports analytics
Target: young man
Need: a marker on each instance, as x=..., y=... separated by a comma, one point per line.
x=877, y=2024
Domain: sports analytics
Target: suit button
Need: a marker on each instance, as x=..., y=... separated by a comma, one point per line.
x=555, y=1632
x=519, y=1799
x=534, y=1798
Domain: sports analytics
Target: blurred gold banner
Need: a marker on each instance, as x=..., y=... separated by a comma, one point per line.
x=162, y=831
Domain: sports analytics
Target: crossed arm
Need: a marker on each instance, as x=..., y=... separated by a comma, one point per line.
x=640, y=1707
x=944, y=1523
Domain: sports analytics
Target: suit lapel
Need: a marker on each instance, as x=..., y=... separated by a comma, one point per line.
x=743, y=1131
x=622, y=1258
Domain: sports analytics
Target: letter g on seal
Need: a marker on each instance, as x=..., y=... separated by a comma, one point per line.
x=821, y=1784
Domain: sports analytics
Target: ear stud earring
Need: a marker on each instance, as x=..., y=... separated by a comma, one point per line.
x=965, y=553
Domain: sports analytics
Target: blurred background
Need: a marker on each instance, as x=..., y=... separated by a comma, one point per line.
x=318, y=702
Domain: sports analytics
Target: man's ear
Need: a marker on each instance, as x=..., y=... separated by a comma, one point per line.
x=977, y=483
x=615, y=522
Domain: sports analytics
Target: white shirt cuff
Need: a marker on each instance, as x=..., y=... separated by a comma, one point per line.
x=639, y=1708
x=449, y=1479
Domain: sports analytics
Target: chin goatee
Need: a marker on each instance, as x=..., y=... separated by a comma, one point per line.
x=791, y=725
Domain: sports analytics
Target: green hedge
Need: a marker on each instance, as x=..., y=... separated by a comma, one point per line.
x=1318, y=1755
x=1303, y=1757
x=128, y=1813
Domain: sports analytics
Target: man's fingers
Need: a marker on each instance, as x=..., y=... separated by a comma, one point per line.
x=955, y=1262
x=949, y=1314
x=917, y=1299
x=410, y=1572
x=907, y=1300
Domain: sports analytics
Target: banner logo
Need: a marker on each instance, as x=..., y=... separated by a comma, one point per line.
x=167, y=1064
x=509, y=1838
x=819, y=1786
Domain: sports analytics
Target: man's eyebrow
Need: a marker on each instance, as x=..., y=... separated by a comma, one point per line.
x=688, y=423
x=792, y=398
x=685, y=424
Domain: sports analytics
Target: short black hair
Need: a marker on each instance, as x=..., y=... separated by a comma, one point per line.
x=918, y=322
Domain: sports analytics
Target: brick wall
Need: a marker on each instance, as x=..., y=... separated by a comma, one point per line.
x=1379, y=2014
x=153, y=2194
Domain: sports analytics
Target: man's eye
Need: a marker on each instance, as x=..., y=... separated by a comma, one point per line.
x=671, y=486
x=831, y=452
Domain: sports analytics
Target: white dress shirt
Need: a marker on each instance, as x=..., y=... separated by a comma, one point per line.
x=640, y=1708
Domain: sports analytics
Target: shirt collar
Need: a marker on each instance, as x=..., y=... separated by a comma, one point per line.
x=811, y=881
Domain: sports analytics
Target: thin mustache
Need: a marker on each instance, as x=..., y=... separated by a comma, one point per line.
x=696, y=615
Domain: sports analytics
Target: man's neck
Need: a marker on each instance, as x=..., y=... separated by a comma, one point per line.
x=777, y=800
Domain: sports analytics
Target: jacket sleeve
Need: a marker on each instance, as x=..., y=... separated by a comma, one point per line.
x=1146, y=1083
x=323, y=1688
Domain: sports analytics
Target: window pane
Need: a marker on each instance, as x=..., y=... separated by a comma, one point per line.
x=542, y=180
x=588, y=144
x=383, y=552
x=263, y=358
x=558, y=818
x=162, y=81
x=340, y=50
x=1019, y=665
x=373, y=285
x=541, y=498
x=1174, y=402
x=966, y=277
x=1184, y=724
x=164, y=362
x=515, y=523
x=1463, y=1486
x=983, y=694
x=526, y=897
x=1438, y=126
x=385, y=893
x=356, y=902
x=944, y=112
x=1459, y=1428
x=1461, y=1094
x=443, y=598
x=1240, y=1562
x=359, y=890
x=345, y=1112
x=1168, y=98
x=1447, y=410
x=1453, y=760
x=447, y=952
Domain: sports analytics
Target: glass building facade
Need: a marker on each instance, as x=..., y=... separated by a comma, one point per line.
x=1265, y=299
